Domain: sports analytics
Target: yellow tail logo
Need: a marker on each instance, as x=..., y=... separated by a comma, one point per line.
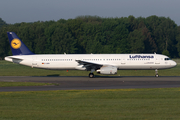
x=15, y=43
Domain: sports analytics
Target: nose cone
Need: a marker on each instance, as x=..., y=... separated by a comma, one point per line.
x=173, y=64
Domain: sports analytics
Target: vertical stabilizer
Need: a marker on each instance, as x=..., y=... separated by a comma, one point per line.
x=17, y=46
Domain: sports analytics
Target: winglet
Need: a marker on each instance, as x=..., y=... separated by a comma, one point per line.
x=17, y=46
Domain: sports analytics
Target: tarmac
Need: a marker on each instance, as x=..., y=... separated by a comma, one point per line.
x=86, y=83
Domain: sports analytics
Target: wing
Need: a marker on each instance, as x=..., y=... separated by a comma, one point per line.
x=89, y=65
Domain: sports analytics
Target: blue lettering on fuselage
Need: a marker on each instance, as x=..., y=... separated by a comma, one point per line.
x=141, y=56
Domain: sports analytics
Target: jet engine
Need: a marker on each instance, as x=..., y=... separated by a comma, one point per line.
x=107, y=70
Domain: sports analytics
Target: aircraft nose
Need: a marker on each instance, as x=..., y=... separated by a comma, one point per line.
x=174, y=63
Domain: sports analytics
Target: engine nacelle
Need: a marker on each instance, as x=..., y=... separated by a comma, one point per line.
x=107, y=70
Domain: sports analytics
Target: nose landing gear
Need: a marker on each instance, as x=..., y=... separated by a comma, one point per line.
x=156, y=72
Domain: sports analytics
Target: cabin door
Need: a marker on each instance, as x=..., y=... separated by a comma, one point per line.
x=34, y=62
x=157, y=60
x=123, y=62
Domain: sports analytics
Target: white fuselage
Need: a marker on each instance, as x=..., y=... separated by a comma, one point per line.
x=68, y=61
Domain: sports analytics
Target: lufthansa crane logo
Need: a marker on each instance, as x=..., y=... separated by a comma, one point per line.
x=15, y=43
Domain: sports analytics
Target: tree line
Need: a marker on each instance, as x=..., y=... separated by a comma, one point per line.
x=93, y=34
x=2, y=22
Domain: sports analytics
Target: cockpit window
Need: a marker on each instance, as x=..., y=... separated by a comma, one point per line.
x=167, y=59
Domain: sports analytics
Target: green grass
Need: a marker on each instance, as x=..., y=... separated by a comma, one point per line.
x=148, y=104
x=11, y=69
x=11, y=84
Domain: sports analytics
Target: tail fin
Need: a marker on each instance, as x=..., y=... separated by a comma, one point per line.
x=17, y=46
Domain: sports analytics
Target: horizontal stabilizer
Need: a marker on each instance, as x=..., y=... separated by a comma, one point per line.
x=14, y=59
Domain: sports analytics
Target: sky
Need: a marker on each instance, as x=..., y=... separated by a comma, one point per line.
x=17, y=11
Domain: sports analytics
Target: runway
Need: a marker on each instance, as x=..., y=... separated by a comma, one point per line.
x=85, y=83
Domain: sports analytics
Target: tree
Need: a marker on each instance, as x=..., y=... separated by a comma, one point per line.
x=178, y=40
x=165, y=36
x=93, y=34
x=149, y=43
x=136, y=39
x=165, y=52
x=2, y=23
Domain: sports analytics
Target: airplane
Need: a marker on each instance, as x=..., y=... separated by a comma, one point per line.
x=101, y=63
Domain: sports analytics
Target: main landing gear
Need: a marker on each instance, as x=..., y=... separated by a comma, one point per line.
x=91, y=75
x=156, y=72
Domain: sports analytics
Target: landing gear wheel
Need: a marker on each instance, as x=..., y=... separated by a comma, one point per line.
x=156, y=72
x=91, y=75
x=156, y=75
